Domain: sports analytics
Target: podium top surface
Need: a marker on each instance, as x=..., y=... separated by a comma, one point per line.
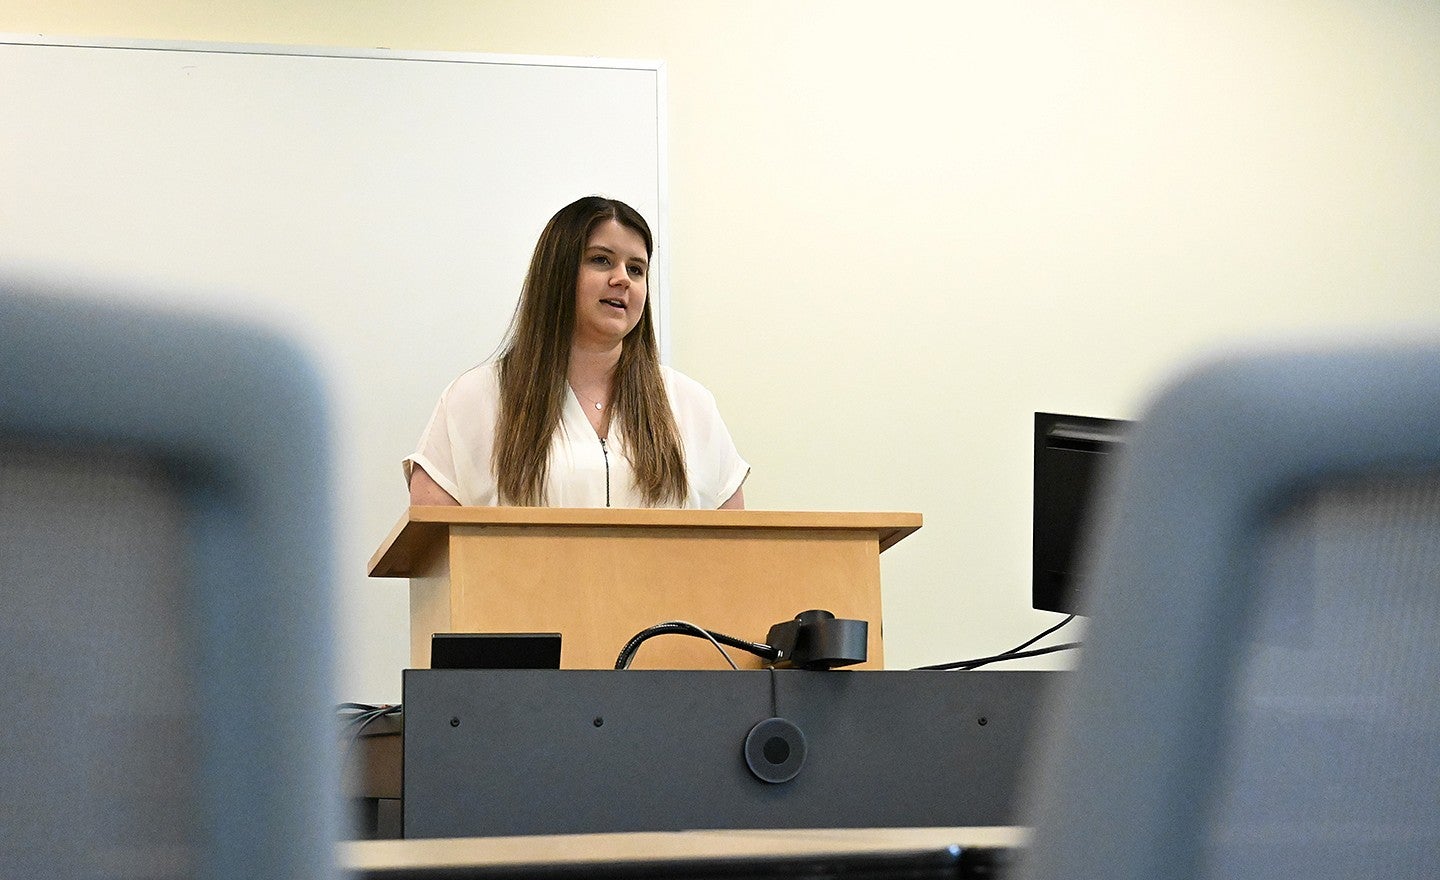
x=419, y=527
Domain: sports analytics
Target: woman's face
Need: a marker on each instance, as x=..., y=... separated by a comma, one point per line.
x=610, y=290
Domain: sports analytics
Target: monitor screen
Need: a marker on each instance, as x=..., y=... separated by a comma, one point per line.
x=1072, y=456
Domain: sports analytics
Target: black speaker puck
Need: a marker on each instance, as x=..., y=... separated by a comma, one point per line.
x=775, y=750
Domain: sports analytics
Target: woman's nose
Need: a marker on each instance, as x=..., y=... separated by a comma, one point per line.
x=620, y=278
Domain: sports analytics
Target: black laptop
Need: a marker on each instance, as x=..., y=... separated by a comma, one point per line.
x=495, y=651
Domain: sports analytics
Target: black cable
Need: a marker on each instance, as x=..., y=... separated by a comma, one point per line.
x=680, y=627
x=1023, y=645
x=365, y=708
x=1014, y=653
x=1008, y=655
x=365, y=714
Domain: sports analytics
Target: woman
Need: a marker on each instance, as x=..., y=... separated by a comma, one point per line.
x=577, y=410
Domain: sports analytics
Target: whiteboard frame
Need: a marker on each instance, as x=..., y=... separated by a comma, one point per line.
x=660, y=298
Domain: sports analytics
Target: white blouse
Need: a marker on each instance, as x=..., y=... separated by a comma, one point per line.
x=585, y=471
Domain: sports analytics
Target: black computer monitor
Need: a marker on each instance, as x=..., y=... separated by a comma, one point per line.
x=1072, y=455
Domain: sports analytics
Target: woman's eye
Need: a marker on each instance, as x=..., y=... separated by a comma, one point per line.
x=600, y=260
x=637, y=271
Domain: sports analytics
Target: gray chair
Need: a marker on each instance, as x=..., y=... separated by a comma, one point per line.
x=1259, y=691
x=165, y=596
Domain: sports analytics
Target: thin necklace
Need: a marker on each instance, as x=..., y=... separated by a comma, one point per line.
x=598, y=404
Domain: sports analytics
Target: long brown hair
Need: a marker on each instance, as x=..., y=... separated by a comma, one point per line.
x=535, y=362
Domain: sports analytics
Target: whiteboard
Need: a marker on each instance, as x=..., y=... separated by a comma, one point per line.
x=379, y=205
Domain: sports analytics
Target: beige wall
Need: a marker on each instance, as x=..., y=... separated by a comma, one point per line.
x=900, y=228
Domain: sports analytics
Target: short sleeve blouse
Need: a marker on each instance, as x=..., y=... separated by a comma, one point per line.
x=455, y=448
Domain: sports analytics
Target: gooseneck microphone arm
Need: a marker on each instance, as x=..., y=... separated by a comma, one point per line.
x=680, y=627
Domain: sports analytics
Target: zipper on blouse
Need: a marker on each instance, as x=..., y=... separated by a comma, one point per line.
x=605, y=453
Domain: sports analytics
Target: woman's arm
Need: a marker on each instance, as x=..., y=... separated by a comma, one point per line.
x=425, y=491
x=735, y=502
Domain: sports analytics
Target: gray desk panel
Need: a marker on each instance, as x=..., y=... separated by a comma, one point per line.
x=505, y=752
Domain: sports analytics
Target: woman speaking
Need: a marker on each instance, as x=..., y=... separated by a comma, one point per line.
x=577, y=411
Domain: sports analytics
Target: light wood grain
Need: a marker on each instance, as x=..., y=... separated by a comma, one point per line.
x=598, y=577
x=573, y=850
x=403, y=548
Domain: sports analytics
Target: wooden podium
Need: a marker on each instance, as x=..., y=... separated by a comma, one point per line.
x=599, y=576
